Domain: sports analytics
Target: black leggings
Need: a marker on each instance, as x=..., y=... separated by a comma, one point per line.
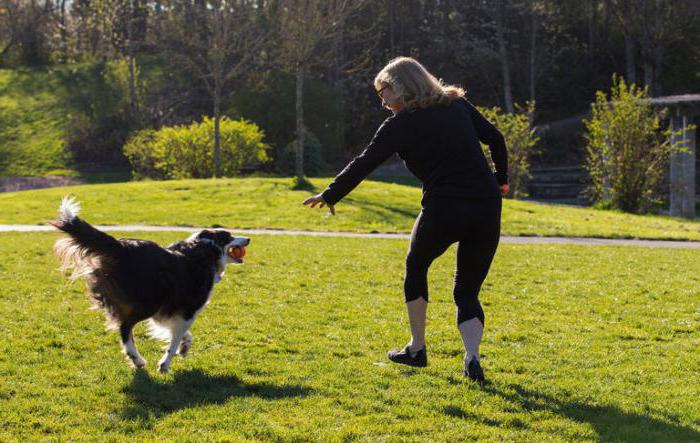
x=476, y=225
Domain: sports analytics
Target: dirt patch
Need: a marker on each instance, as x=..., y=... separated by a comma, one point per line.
x=12, y=184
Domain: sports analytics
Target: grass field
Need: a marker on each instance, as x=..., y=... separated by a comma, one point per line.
x=581, y=344
x=270, y=203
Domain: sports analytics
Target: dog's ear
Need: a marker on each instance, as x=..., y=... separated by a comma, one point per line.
x=218, y=236
x=222, y=237
x=205, y=234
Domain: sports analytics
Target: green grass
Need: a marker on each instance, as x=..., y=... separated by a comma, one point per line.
x=271, y=203
x=32, y=122
x=581, y=344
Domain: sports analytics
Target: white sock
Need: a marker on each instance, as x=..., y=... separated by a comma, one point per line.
x=471, y=331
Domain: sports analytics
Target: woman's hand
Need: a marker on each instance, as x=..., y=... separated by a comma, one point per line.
x=505, y=189
x=318, y=200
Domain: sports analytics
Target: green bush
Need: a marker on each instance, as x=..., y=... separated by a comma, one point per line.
x=313, y=158
x=520, y=142
x=187, y=151
x=627, y=149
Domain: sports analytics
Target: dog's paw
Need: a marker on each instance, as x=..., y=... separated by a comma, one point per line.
x=137, y=361
x=184, y=348
x=164, y=366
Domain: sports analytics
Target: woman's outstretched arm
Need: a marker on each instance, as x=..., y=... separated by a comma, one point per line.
x=385, y=142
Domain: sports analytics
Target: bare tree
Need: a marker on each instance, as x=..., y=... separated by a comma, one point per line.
x=304, y=25
x=219, y=52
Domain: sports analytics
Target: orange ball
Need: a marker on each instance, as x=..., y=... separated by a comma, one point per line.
x=237, y=251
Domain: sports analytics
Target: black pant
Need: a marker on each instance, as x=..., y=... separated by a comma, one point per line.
x=476, y=225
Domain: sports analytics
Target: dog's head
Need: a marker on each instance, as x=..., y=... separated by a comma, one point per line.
x=224, y=241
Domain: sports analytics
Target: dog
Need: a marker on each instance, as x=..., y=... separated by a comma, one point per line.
x=135, y=280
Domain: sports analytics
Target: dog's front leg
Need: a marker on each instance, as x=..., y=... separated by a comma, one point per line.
x=178, y=329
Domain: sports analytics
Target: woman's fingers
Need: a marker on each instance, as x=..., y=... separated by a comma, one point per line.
x=317, y=200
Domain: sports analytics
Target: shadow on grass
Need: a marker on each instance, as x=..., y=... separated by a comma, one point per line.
x=382, y=210
x=398, y=180
x=610, y=423
x=151, y=398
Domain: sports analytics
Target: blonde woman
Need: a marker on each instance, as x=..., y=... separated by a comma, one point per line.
x=436, y=132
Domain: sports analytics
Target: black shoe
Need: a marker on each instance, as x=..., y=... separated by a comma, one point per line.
x=474, y=371
x=403, y=356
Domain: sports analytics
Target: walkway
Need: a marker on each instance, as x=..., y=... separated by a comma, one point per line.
x=504, y=239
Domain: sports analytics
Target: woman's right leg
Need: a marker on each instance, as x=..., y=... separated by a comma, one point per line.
x=426, y=245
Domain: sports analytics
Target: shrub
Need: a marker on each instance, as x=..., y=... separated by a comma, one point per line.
x=627, y=149
x=313, y=159
x=520, y=142
x=188, y=151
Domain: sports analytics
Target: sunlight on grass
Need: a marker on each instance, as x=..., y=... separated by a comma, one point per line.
x=271, y=203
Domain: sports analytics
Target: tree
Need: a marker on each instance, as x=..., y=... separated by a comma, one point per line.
x=24, y=25
x=627, y=148
x=219, y=51
x=304, y=25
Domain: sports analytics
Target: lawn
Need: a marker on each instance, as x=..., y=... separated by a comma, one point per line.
x=271, y=203
x=581, y=344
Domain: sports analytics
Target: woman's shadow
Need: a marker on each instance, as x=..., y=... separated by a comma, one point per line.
x=609, y=422
x=149, y=398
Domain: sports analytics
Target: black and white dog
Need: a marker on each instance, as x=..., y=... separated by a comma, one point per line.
x=134, y=280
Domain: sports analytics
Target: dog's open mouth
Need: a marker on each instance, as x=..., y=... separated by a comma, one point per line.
x=236, y=253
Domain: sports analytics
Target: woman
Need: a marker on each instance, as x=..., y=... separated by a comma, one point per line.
x=436, y=132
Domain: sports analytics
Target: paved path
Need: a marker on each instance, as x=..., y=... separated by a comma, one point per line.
x=504, y=239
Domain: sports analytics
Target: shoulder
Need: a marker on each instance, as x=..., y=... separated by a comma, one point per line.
x=462, y=103
x=394, y=124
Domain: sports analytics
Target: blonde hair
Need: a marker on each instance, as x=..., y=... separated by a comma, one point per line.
x=414, y=85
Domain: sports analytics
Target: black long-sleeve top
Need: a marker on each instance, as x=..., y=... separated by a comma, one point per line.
x=440, y=146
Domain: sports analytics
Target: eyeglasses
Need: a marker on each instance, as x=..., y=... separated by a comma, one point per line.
x=379, y=91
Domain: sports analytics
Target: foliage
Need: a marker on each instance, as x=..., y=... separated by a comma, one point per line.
x=186, y=151
x=313, y=159
x=520, y=141
x=100, y=125
x=269, y=101
x=627, y=149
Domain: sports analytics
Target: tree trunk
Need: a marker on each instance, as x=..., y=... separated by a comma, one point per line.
x=649, y=78
x=217, y=118
x=533, y=50
x=64, y=33
x=630, y=63
x=130, y=50
x=390, y=13
x=299, y=164
x=503, y=55
x=339, y=90
x=658, y=64
x=592, y=22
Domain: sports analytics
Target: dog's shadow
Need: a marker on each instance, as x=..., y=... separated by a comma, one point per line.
x=151, y=397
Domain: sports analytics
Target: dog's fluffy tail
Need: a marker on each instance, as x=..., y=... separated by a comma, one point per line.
x=86, y=246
